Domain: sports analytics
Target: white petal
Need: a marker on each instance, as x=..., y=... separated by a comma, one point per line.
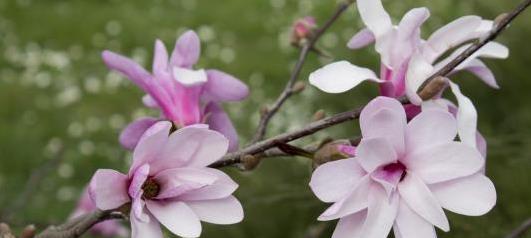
x=493, y=50
x=352, y=203
x=374, y=16
x=150, y=144
x=375, y=152
x=176, y=216
x=340, y=77
x=381, y=213
x=189, y=77
x=444, y=162
x=140, y=229
x=482, y=71
x=219, y=211
x=409, y=224
x=430, y=127
x=334, y=180
x=419, y=70
x=361, y=39
x=474, y=195
x=419, y=198
x=467, y=117
x=350, y=226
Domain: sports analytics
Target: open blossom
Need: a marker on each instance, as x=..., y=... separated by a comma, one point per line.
x=111, y=228
x=402, y=176
x=184, y=95
x=169, y=183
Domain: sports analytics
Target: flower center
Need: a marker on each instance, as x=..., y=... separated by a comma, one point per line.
x=151, y=188
x=395, y=169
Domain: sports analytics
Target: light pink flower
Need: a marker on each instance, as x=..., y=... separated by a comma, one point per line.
x=169, y=183
x=403, y=175
x=406, y=59
x=110, y=228
x=183, y=94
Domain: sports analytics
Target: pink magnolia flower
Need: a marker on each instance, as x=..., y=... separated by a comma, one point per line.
x=184, y=95
x=302, y=28
x=169, y=184
x=111, y=228
x=402, y=176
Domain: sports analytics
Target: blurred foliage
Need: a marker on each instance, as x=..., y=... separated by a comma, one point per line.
x=55, y=93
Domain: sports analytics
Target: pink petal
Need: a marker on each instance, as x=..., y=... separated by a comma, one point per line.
x=352, y=203
x=177, y=217
x=481, y=144
x=474, y=195
x=409, y=224
x=467, y=117
x=430, y=127
x=220, y=211
x=160, y=59
x=139, y=177
x=384, y=117
x=381, y=213
x=450, y=35
x=108, y=189
x=374, y=16
x=419, y=198
x=408, y=35
x=187, y=50
x=175, y=182
x=149, y=101
x=192, y=147
x=350, y=226
x=219, y=121
x=340, y=77
x=445, y=162
x=140, y=229
x=224, y=87
x=375, y=152
x=334, y=180
x=132, y=70
x=223, y=187
x=150, y=144
x=482, y=71
x=130, y=136
x=361, y=39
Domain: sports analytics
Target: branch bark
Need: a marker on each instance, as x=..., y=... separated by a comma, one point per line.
x=520, y=230
x=78, y=226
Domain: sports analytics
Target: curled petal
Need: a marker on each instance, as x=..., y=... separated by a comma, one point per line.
x=467, y=117
x=340, y=77
x=222, y=211
x=361, y=39
x=130, y=136
x=223, y=187
x=419, y=70
x=108, y=189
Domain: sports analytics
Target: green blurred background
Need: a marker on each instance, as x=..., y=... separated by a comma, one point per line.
x=58, y=99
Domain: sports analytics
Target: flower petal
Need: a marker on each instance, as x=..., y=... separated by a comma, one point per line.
x=140, y=229
x=467, y=117
x=334, y=180
x=178, y=217
x=381, y=213
x=419, y=70
x=375, y=152
x=474, y=195
x=224, y=87
x=482, y=71
x=187, y=50
x=178, y=181
x=160, y=58
x=188, y=77
x=340, y=77
x=350, y=226
x=419, y=198
x=130, y=136
x=139, y=177
x=352, y=203
x=219, y=211
x=219, y=121
x=132, y=70
x=374, y=16
x=150, y=144
x=408, y=36
x=384, y=117
x=445, y=162
x=108, y=189
x=223, y=187
x=361, y=39
x=409, y=224
x=430, y=127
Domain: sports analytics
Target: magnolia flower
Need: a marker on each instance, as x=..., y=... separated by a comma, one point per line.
x=406, y=59
x=402, y=176
x=169, y=184
x=184, y=95
x=111, y=228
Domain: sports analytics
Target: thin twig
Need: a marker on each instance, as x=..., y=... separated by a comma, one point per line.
x=288, y=89
x=76, y=227
x=520, y=230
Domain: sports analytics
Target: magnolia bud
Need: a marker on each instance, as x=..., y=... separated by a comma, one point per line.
x=318, y=115
x=335, y=150
x=298, y=87
x=250, y=162
x=302, y=30
x=434, y=87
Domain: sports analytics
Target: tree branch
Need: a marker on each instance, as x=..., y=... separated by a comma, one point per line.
x=288, y=89
x=77, y=226
x=520, y=230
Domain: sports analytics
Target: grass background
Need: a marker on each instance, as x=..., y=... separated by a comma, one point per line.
x=55, y=93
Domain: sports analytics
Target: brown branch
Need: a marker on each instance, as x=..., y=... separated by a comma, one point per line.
x=288, y=89
x=78, y=226
x=520, y=230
